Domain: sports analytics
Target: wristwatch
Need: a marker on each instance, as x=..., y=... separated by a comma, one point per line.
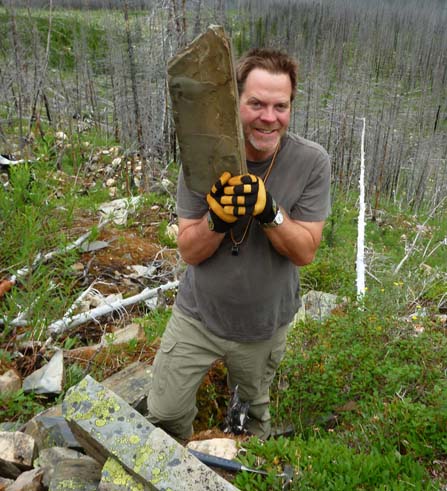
x=276, y=222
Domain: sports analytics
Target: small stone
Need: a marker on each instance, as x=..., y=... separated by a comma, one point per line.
x=17, y=452
x=10, y=381
x=219, y=447
x=49, y=379
x=28, y=481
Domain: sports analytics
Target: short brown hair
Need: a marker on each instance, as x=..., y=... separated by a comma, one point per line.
x=271, y=60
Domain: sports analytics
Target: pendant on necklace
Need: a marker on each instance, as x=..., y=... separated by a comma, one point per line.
x=235, y=250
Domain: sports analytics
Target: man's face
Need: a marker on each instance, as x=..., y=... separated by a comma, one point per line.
x=264, y=111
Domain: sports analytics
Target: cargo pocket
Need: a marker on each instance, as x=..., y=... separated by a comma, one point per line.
x=162, y=364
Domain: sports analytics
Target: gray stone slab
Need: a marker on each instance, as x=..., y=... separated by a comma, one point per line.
x=205, y=101
x=108, y=427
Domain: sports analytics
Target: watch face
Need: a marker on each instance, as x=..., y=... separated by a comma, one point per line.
x=279, y=218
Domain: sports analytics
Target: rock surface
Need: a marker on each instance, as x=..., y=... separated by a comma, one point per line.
x=17, y=452
x=49, y=379
x=202, y=84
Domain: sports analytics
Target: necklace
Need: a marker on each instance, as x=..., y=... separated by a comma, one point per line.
x=237, y=243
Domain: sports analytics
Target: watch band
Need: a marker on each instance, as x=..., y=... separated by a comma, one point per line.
x=277, y=221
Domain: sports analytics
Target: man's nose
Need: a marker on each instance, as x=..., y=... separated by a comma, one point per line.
x=268, y=115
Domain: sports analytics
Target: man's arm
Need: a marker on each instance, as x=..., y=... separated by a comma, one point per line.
x=196, y=242
x=296, y=239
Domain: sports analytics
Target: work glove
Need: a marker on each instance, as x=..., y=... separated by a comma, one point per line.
x=219, y=220
x=246, y=195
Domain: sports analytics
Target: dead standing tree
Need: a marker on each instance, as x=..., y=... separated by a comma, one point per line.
x=40, y=75
x=138, y=123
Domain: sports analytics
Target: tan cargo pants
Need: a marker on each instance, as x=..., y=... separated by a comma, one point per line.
x=187, y=351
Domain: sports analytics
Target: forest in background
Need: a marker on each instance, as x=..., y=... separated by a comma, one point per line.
x=72, y=64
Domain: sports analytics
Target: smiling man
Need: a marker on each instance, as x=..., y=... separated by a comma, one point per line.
x=243, y=242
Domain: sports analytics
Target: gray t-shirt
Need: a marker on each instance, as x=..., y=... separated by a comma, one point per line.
x=247, y=297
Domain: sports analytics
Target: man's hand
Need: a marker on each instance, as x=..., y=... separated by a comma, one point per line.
x=220, y=220
x=246, y=195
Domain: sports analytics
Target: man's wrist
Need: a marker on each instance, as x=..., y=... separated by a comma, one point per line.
x=278, y=219
x=216, y=225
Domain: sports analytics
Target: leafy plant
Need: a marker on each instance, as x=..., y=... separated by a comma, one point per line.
x=18, y=406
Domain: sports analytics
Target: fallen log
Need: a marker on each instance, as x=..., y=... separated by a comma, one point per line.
x=62, y=325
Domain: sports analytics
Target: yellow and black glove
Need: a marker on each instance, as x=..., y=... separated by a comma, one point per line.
x=219, y=220
x=246, y=195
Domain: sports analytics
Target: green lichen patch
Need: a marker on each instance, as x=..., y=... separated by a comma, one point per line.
x=113, y=472
x=79, y=404
x=142, y=457
x=69, y=485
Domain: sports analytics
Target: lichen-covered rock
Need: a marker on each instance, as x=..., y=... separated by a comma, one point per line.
x=108, y=427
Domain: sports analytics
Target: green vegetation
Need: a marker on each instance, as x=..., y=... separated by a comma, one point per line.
x=68, y=27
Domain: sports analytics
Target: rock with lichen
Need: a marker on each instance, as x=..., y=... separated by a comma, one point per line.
x=107, y=426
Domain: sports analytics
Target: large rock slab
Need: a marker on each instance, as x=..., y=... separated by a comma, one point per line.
x=202, y=84
x=108, y=427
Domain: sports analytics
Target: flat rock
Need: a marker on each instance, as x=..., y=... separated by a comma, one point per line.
x=219, y=447
x=124, y=335
x=49, y=379
x=108, y=427
x=202, y=84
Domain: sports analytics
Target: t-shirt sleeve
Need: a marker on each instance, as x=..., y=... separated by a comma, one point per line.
x=190, y=204
x=314, y=204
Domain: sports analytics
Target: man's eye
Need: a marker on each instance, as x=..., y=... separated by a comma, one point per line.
x=282, y=107
x=255, y=104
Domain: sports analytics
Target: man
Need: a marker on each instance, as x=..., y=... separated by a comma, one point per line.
x=242, y=243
